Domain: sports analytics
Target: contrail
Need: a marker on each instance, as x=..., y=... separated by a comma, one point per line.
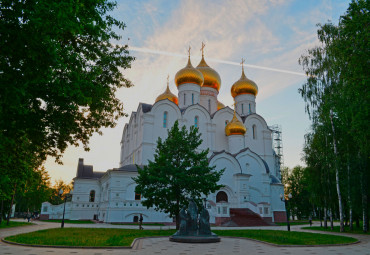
x=158, y=52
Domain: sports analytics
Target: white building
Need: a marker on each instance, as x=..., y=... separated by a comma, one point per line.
x=239, y=141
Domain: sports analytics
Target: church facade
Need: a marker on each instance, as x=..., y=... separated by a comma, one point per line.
x=239, y=141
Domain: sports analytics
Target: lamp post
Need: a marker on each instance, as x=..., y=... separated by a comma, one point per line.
x=286, y=207
x=64, y=208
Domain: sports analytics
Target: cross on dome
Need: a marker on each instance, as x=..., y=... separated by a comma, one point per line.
x=189, y=50
x=242, y=63
x=168, y=79
x=202, y=48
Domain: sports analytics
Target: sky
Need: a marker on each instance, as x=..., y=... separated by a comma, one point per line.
x=270, y=34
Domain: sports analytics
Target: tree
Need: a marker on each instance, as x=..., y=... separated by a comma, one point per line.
x=59, y=71
x=179, y=171
x=337, y=99
x=55, y=198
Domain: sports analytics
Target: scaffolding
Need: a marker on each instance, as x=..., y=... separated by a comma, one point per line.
x=277, y=144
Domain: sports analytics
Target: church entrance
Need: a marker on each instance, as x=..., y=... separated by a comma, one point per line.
x=221, y=197
x=222, y=202
x=136, y=218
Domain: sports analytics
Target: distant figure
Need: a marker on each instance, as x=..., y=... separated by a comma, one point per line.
x=28, y=216
x=141, y=221
x=310, y=220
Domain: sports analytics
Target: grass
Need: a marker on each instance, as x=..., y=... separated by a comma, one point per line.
x=72, y=221
x=337, y=229
x=86, y=236
x=124, y=237
x=13, y=224
x=292, y=223
x=137, y=224
x=287, y=238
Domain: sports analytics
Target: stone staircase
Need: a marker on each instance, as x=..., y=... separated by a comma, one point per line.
x=243, y=217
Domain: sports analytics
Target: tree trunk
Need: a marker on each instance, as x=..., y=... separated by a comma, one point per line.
x=178, y=215
x=325, y=218
x=1, y=211
x=11, y=204
x=320, y=217
x=331, y=219
x=364, y=206
x=349, y=197
x=337, y=175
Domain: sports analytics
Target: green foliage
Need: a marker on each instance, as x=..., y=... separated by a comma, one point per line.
x=338, y=101
x=296, y=183
x=55, y=198
x=59, y=71
x=179, y=171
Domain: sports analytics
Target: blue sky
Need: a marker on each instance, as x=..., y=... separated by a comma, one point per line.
x=268, y=34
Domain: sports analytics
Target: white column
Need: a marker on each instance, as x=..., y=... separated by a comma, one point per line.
x=188, y=94
x=236, y=143
x=208, y=99
x=245, y=104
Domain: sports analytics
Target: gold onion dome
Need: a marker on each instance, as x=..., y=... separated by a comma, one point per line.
x=244, y=86
x=211, y=77
x=189, y=75
x=220, y=105
x=167, y=95
x=235, y=127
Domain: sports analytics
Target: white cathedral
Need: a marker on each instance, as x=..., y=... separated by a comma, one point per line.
x=238, y=140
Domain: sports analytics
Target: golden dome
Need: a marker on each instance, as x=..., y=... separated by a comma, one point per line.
x=211, y=77
x=244, y=86
x=220, y=105
x=167, y=95
x=189, y=75
x=235, y=127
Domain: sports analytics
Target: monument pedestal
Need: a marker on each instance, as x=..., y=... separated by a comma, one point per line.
x=194, y=229
x=213, y=238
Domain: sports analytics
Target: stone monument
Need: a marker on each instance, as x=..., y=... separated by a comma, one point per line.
x=194, y=228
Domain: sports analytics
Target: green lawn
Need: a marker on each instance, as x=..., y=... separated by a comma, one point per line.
x=292, y=223
x=72, y=221
x=287, y=238
x=86, y=236
x=124, y=237
x=137, y=224
x=337, y=229
x=14, y=224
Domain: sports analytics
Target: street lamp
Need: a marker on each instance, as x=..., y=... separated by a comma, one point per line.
x=286, y=207
x=64, y=209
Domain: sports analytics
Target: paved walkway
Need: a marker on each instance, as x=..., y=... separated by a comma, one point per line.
x=161, y=245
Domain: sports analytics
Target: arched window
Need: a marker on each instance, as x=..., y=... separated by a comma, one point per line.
x=254, y=129
x=196, y=121
x=184, y=99
x=92, y=196
x=226, y=122
x=250, y=109
x=242, y=109
x=221, y=197
x=192, y=98
x=165, y=119
x=137, y=196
